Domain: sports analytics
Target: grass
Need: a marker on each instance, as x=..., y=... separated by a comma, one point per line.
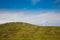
x=25, y=31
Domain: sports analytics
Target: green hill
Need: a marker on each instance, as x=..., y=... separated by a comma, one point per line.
x=25, y=31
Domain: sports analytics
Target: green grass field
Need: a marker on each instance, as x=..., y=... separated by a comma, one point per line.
x=25, y=31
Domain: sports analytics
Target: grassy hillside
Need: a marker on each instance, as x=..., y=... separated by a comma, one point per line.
x=25, y=31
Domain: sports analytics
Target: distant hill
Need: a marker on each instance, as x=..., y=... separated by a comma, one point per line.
x=25, y=31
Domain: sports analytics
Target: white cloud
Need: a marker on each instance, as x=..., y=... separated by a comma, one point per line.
x=57, y=0
x=35, y=1
x=47, y=18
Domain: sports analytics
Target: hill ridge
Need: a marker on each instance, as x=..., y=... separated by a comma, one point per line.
x=26, y=31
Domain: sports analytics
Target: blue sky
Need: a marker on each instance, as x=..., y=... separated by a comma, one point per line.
x=38, y=12
x=29, y=4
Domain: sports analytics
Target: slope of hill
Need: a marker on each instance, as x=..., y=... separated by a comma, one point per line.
x=25, y=31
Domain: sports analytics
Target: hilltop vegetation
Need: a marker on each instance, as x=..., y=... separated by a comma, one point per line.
x=25, y=31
